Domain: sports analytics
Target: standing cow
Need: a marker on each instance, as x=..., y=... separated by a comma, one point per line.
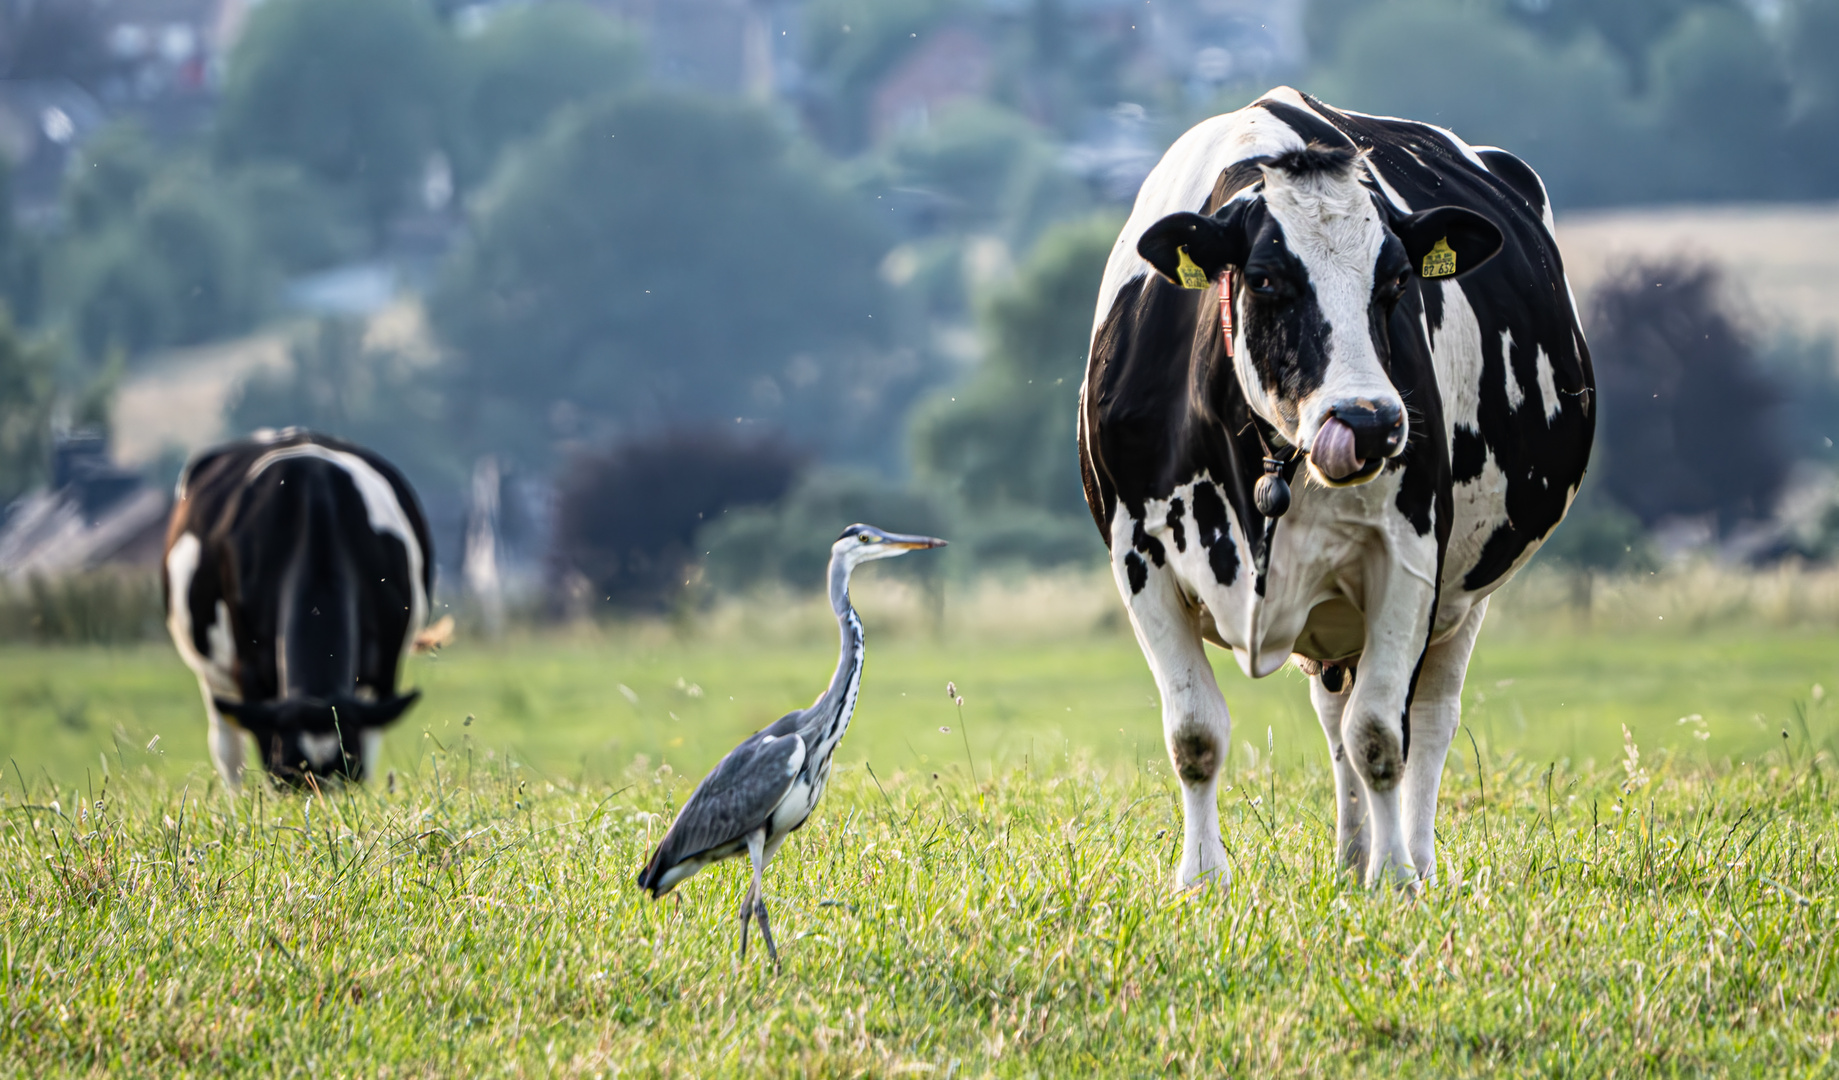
x=297, y=572
x=1400, y=344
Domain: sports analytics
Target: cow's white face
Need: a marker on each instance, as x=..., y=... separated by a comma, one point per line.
x=1319, y=264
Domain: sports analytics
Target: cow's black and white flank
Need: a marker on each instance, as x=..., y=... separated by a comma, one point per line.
x=1406, y=353
x=297, y=572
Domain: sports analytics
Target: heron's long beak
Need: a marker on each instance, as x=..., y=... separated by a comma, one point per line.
x=914, y=543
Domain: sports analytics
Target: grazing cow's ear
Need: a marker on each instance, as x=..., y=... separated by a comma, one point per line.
x=1191, y=249
x=382, y=713
x=1447, y=241
x=254, y=716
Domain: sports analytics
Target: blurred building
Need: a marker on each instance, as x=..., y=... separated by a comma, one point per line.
x=723, y=46
x=92, y=514
x=951, y=64
x=68, y=66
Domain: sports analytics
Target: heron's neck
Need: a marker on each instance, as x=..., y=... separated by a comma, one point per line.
x=830, y=713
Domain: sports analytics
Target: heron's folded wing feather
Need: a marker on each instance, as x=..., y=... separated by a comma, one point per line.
x=737, y=797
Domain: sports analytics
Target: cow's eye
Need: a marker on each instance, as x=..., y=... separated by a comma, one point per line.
x=1259, y=283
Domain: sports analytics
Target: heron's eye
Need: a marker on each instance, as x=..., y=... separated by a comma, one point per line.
x=865, y=538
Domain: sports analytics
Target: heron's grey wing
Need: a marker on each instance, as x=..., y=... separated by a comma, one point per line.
x=736, y=798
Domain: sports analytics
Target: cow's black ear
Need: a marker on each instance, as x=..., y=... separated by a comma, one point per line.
x=252, y=715
x=1211, y=244
x=1448, y=241
x=383, y=713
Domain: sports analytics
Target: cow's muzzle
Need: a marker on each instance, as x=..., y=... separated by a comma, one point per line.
x=1356, y=439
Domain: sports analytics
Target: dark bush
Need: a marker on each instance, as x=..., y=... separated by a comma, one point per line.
x=626, y=519
x=1689, y=416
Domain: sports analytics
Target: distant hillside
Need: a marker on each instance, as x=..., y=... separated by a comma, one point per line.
x=1782, y=259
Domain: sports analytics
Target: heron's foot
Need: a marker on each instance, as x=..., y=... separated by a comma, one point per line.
x=766, y=932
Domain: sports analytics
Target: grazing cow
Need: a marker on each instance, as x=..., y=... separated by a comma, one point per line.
x=298, y=570
x=1399, y=342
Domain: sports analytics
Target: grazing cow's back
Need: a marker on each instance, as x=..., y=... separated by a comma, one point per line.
x=1404, y=350
x=298, y=569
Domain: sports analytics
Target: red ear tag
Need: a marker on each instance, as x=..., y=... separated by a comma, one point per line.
x=1226, y=309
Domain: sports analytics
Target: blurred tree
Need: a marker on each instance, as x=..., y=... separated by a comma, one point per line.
x=789, y=541
x=1562, y=109
x=354, y=92
x=987, y=169
x=20, y=274
x=1631, y=28
x=1689, y=418
x=529, y=61
x=111, y=173
x=1714, y=76
x=661, y=259
x=626, y=520
x=1006, y=438
x=292, y=219
x=1810, y=39
x=378, y=398
x=850, y=45
x=1596, y=537
x=54, y=39
x=178, y=269
x=27, y=393
x=1810, y=415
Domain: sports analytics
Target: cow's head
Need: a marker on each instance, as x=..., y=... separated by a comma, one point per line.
x=1319, y=263
x=303, y=736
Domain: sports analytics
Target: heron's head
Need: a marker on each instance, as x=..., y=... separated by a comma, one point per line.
x=865, y=543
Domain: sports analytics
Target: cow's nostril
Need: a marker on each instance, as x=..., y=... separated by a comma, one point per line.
x=1377, y=428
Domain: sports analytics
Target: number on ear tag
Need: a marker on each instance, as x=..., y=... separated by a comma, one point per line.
x=1190, y=275
x=1440, y=261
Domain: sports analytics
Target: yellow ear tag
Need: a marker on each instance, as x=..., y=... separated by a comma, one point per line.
x=1440, y=261
x=1191, y=276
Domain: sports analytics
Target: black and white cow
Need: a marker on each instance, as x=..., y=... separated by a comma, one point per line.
x=297, y=572
x=1404, y=350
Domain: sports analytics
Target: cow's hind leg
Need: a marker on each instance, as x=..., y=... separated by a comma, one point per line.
x=1195, y=723
x=1351, y=838
x=1436, y=711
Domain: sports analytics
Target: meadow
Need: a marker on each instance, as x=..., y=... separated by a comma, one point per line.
x=1636, y=853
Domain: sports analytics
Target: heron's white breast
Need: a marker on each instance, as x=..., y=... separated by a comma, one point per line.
x=796, y=806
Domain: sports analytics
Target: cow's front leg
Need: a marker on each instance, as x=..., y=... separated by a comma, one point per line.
x=226, y=741
x=1195, y=723
x=1436, y=710
x=1350, y=812
x=1399, y=599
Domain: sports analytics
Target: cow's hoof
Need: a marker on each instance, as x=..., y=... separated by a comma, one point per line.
x=1396, y=874
x=1198, y=872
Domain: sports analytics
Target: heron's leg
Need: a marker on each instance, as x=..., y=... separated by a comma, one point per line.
x=756, y=852
x=746, y=917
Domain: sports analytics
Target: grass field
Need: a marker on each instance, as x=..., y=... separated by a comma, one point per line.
x=997, y=911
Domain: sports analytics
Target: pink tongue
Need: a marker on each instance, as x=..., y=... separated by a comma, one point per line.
x=1334, y=453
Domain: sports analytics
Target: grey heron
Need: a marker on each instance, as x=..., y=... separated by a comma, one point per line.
x=766, y=788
